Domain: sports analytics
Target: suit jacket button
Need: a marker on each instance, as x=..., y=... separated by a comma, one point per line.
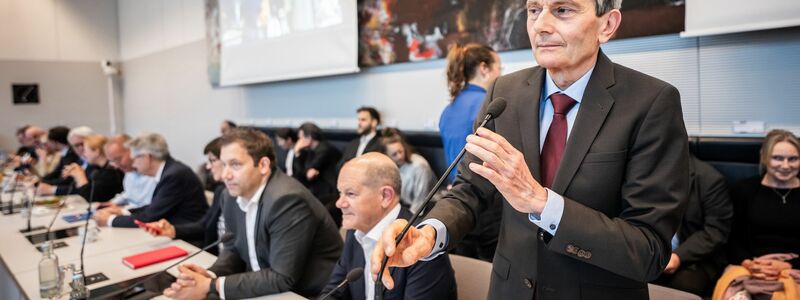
x=541, y=235
x=571, y=249
x=528, y=283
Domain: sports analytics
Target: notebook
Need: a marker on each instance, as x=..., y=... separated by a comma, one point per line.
x=153, y=257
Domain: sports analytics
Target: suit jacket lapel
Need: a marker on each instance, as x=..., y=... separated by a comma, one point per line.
x=528, y=117
x=264, y=205
x=356, y=287
x=594, y=108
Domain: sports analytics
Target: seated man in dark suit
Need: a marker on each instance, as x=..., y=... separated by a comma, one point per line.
x=57, y=138
x=368, y=137
x=314, y=165
x=66, y=184
x=697, y=249
x=212, y=226
x=369, y=198
x=178, y=196
x=284, y=238
x=26, y=153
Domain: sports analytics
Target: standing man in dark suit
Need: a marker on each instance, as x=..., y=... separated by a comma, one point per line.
x=369, y=198
x=368, y=139
x=698, y=256
x=284, y=238
x=285, y=138
x=178, y=196
x=590, y=157
x=315, y=162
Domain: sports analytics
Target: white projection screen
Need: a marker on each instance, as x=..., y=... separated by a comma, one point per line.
x=273, y=40
x=708, y=17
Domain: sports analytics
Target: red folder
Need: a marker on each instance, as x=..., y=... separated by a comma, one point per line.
x=153, y=257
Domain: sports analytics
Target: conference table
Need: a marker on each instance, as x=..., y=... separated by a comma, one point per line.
x=19, y=257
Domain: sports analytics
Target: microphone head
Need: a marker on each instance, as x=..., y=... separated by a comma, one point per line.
x=355, y=274
x=226, y=237
x=496, y=107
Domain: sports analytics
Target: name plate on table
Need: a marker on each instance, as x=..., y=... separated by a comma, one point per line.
x=39, y=238
x=55, y=245
x=146, y=290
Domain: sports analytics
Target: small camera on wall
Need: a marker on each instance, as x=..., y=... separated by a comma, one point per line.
x=109, y=68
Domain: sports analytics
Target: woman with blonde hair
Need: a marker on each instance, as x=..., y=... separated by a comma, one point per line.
x=765, y=238
x=415, y=173
x=100, y=181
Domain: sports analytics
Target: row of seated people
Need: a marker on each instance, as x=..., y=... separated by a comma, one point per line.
x=285, y=240
x=741, y=242
x=757, y=221
x=711, y=235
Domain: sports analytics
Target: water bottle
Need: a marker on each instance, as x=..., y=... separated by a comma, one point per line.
x=49, y=275
x=27, y=200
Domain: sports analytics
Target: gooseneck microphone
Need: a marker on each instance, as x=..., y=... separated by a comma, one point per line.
x=353, y=275
x=86, y=227
x=58, y=211
x=224, y=238
x=496, y=107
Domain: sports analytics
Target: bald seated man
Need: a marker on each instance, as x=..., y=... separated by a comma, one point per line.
x=369, y=197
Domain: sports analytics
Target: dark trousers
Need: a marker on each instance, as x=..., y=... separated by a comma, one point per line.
x=691, y=279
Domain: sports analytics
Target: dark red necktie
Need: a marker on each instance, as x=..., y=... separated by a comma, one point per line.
x=556, y=139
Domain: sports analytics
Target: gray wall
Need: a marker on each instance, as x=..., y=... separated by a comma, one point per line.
x=169, y=93
x=750, y=76
x=71, y=94
x=57, y=44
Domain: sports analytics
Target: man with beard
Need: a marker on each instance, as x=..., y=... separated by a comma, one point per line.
x=368, y=140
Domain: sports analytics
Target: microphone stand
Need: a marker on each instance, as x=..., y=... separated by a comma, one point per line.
x=58, y=211
x=493, y=112
x=79, y=290
x=351, y=276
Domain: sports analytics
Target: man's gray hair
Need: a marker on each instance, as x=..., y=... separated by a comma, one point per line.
x=149, y=143
x=604, y=6
x=82, y=131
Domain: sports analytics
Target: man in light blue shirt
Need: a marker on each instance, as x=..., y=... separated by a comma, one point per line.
x=137, y=188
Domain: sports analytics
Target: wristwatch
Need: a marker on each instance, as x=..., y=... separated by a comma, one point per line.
x=212, y=288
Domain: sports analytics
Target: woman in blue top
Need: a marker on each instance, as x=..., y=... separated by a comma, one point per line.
x=471, y=69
